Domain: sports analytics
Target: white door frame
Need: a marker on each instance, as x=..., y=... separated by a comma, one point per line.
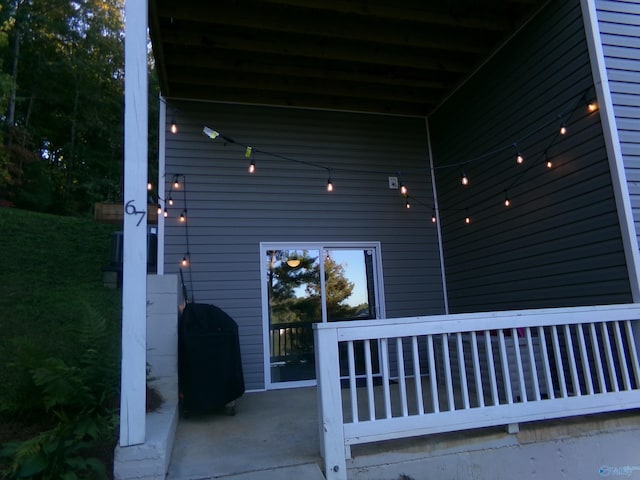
x=320, y=246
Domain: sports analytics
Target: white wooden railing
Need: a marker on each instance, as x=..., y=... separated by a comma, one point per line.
x=455, y=372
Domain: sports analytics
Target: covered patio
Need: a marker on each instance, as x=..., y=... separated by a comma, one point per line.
x=492, y=305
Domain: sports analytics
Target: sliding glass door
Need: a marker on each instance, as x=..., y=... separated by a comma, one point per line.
x=308, y=283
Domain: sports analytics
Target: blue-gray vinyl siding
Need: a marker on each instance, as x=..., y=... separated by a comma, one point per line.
x=619, y=24
x=559, y=243
x=230, y=211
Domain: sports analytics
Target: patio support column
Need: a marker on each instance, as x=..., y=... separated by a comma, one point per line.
x=612, y=144
x=332, y=445
x=134, y=273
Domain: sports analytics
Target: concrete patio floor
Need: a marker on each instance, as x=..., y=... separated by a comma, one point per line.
x=274, y=436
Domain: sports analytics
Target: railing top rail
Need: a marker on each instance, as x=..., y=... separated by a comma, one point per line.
x=468, y=322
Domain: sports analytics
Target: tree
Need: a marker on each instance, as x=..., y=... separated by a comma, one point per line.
x=66, y=61
x=287, y=307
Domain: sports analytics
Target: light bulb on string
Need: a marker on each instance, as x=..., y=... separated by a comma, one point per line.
x=464, y=180
x=467, y=218
x=519, y=156
x=507, y=202
x=563, y=129
x=592, y=106
x=403, y=189
x=165, y=213
x=170, y=201
x=174, y=126
x=185, y=261
x=329, y=182
x=159, y=209
x=434, y=218
x=176, y=183
x=149, y=186
x=548, y=161
x=407, y=204
x=252, y=167
x=183, y=216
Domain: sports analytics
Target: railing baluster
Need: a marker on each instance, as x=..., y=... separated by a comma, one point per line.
x=611, y=367
x=532, y=364
x=462, y=367
x=595, y=350
x=586, y=368
x=572, y=361
x=505, y=367
x=384, y=347
x=633, y=351
x=369, y=376
x=401, y=377
x=477, y=372
x=353, y=386
x=447, y=372
x=557, y=354
x=624, y=368
x=519, y=369
x=417, y=374
x=435, y=397
x=545, y=361
x=492, y=368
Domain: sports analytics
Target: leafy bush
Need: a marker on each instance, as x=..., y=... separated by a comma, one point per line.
x=75, y=392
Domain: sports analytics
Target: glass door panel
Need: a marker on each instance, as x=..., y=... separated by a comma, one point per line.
x=349, y=284
x=350, y=295
x=294, y=296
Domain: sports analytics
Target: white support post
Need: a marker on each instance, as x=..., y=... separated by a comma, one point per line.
x=162, y=138
x=134, y=278
x=330, y=399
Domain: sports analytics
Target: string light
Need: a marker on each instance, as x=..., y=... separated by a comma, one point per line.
x=467, y=218
x=170, y=201
x=185, y=260
x=174, y=126
x=329, y=182
x=247, y=154
x=159, y=209
x=434, y=218
x=464, y=179
x=166, y=213
x=176, y=183
x=183, y=216
x=149, y=186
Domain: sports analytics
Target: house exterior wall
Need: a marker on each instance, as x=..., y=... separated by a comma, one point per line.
x=229, y=211
x=559, y=242
x=619, y=24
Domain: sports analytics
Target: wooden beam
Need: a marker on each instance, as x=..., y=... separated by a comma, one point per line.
x=134, y=281
x=227, y=41
x=265, y=20
x=333, y=102
x=306, y=85
x=222, y=62
x=414, y=11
